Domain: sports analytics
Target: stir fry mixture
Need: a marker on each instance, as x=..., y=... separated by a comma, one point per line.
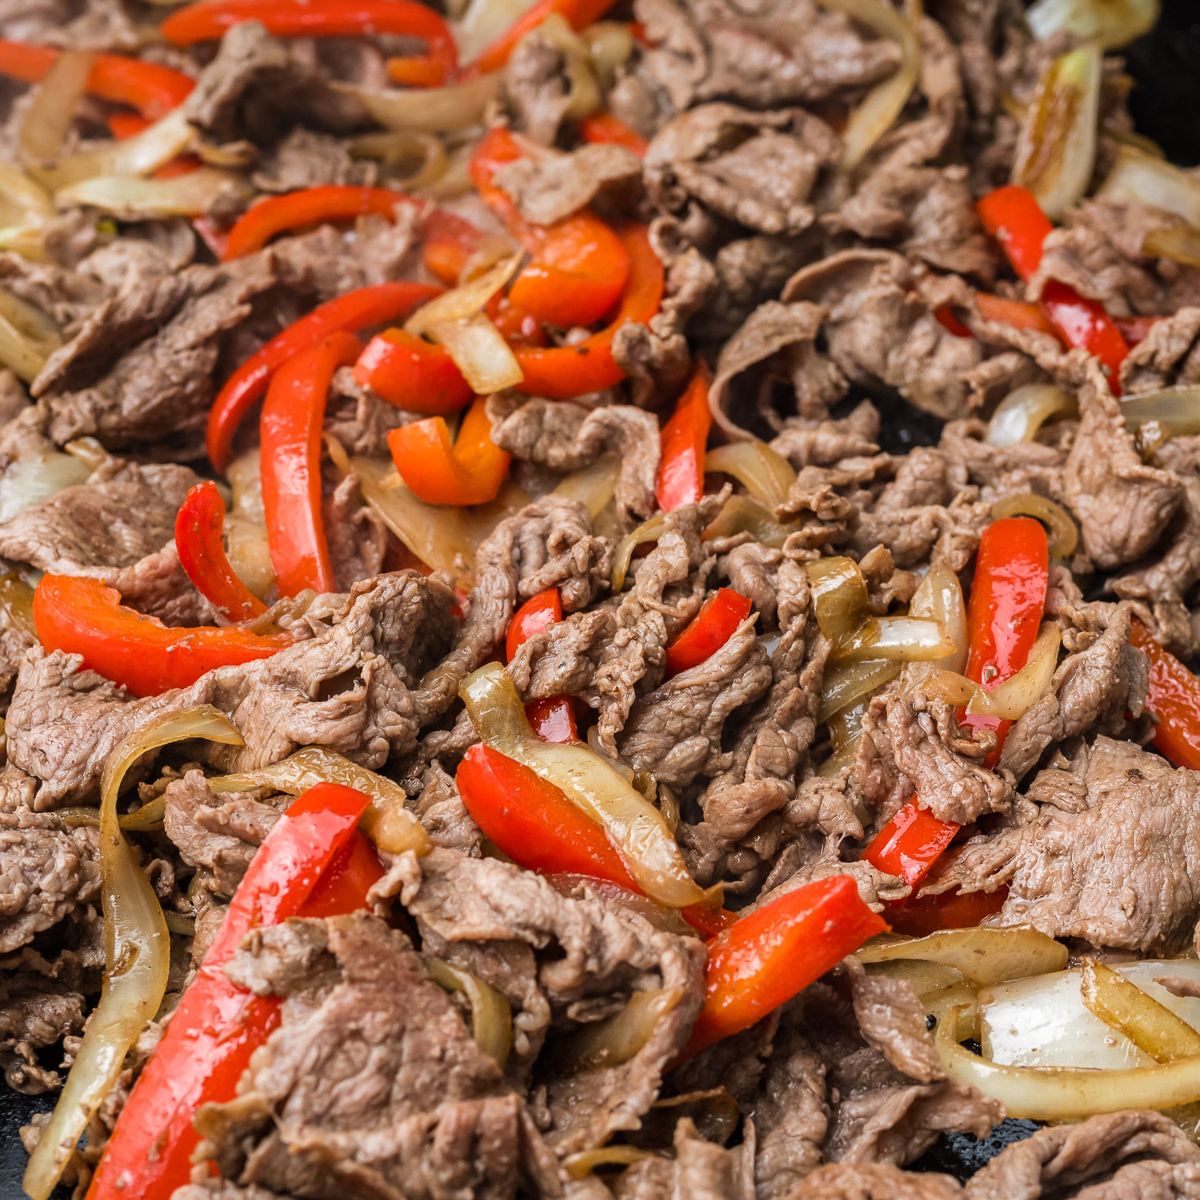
x=595, y=601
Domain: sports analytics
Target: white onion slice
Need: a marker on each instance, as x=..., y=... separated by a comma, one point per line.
x=1143, y=179
x=1112, y=23
x=1021, y=413
x=431, y=110
x=130, y=198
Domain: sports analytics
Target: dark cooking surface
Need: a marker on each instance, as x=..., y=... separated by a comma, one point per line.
x=1166, y=66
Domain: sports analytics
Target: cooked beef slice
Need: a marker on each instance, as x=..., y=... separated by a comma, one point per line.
x=47, y=869
x=586, y=951
x=1111, y=856
x=1167, y=356
x=550, y=187
x=699, y=1170
x=1108, y=1157
x=352, y=683
x=873, y=1181
x=372, y=1084
x=304, y=158
x=35, y=1012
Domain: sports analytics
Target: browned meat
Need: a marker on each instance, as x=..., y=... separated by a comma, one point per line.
x=546, y=189
x=35, y=1012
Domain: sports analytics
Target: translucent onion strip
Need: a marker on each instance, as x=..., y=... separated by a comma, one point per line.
x=131, y=199
x=22, y=198
x=387, y=822
x=1112, y=23
x=981, y=956
x=744, y=514
x=847, y=682
x=52, y=109
x=413, y=160
x=136, y=951
x=763, y=472
x=1149, y=1025
x=1056, y=150
x=491, y=1013
x=885, y=102
x=1177, y=410
x=1180, y=243
x=155, y=146
x=27, y=337
x=939, y=597
x=429, y=110
x=582, y=1163
x=1021, y=413
x=647, y=531
x=906, y=639
x=593, y=486
x=483, y=21
x=618, y=1038
x=1064, y=535
x=1143, y=179
x=839, y=596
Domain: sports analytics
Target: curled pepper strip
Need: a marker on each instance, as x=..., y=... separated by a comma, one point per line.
x=579, y=265
x=313, y=863
x=309, y=206
x=553, y=718
x=563, y=372
x=199, y=534
x=293, y=415
x=83, y=616
x=467, y=471
x=684, y=437
x=150, y=88
x=354, y=311
x=411, y=373
x=708, y=631
x=605, y=129
x=1173, y=698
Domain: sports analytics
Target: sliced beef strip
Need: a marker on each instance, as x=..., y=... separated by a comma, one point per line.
x=1104, y=1156
x=357, y=536
x=350, y=683
x=549, y=187
x=35, y=1012
x=873, y=1181
x=440, y=809
x=1123, y=505
x=699, y=1170
x=214, y=832
x=822, y=442
x=372, y=1084
x=305, y=158
x=1111, y=855
x=585, y=949
x=47, y=870
x=1169, y=355
x=566, y=437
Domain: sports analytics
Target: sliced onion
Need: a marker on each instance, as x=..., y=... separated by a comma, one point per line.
x=982, y=956
x=189, y=195
x=1148, y=1023
x=483, y=22
x=22, y=198
x=884, y=102
x=1056, y=151
x=29, y=241
x=1064, y=535
x=1112, y=23
x=634, y=826
x=431, y=110
x=137, y=949
x=839, y=596
x=955, y=1011
x=53, y=107
x=27, y=337
x=847, y=682
x=35, y=477
x=923, y=977
x=744, y=514
x=939, y=597
x=1176, y=410
x=1143, y=179
x=16, y=602
x=413, y=160
x=647, y=531
x=582, y=1163
x=155, y=146
x=1021, y=413
x=618, y=1038
x=465, y=301
x=443, y=538
x=763, y=472
x=583, y=92
x=491, y=1013
x=907, y=639
x=387, y=822
x=592, y=486
x=1180, y=243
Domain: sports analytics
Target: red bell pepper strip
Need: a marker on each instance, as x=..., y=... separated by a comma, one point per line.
x=199, y=541
x=564, y=372
x=578, y=13
x=1173, y=698
x=354, y=311
x=925, y=914
x=83, y=616
x=1136, y=330
x=209, y=19
x=684, y=437
x=1013, y=216
x=910, y=843
x=535, y=824
x=447, y=244
x=309, y=206
x=708, y=631
x=579, y=267
x=467, y=471
x=413, y=374
x=1019, y=313
x=774, y=952
x=608, y=130
x=293, y=416
x=150, y=88
x=553, y=719
x=314, y=862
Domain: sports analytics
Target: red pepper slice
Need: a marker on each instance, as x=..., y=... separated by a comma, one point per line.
x=708, y=631
x=773, y=953
x=314, y=862
x=553, y=719
x=309, y=206
x=467, y=471
x=579, y=267
x=1018, y=313
x=354, y=311
x=1136, y=330
x=199, y=541
x=563, y=372
x=152, y=89
x=604, y=128
x=412, y=374
x=925, y=914
x=84, y=616
x=910, y=843
x=447, y=245
x=1013, y=216
x=684, y=437
x=579, y=14
x=1173, y=698
x=293, y=416
x=532, y=822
